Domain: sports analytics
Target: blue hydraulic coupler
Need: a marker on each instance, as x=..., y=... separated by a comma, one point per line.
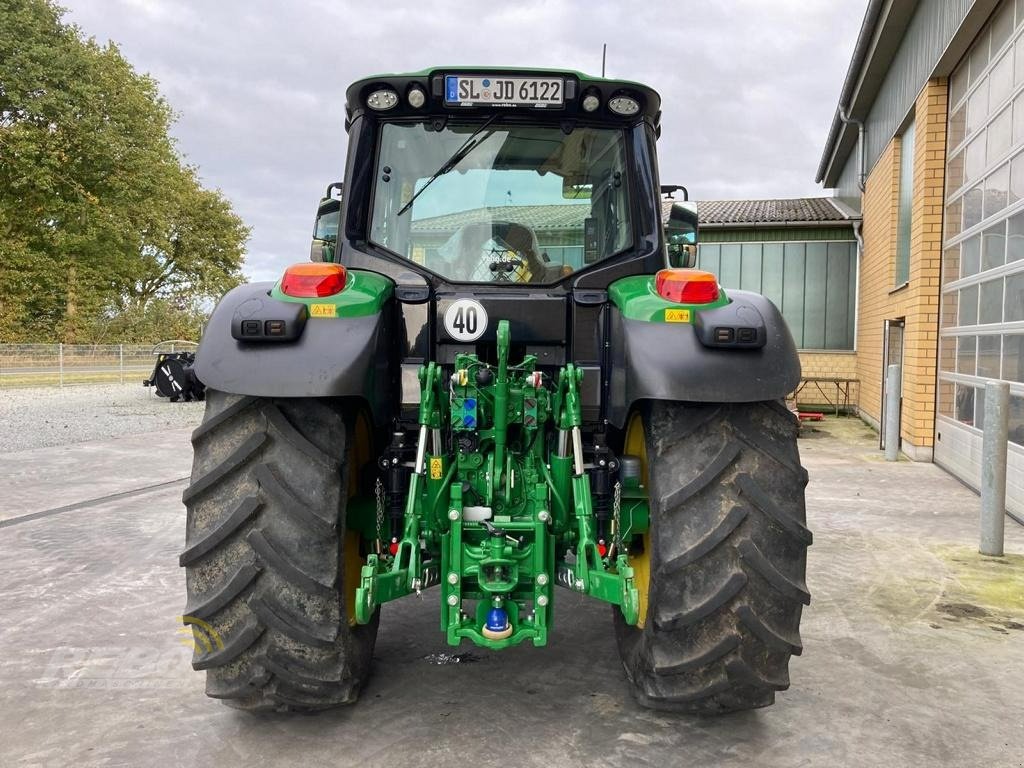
x=497, y=626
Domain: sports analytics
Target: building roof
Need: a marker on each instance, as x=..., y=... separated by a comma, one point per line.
x=807, y=211
x=799, y=210
x=537, y=217
x=787, y=212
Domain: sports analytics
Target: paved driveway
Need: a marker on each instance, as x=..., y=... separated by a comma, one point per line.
x=913, y=647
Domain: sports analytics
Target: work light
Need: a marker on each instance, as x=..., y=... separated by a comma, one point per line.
x=624, y=105
x=416, y=97
x=382, y=100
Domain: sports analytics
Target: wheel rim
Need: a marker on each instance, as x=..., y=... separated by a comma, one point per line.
x=360, y=451
x=636, y=445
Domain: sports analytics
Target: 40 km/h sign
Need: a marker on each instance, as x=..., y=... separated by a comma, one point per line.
x=465, y=320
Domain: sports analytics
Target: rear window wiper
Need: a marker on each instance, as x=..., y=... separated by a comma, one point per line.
x=457, y=156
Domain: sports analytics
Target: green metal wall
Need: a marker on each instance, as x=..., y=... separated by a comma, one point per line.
x=813, y=282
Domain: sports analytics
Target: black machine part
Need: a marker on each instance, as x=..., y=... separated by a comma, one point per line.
x=347, y=357
x=174, y=378
x=669, y=361
x=359, y=356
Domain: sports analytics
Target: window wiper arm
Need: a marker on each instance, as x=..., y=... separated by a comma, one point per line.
x=457, y=156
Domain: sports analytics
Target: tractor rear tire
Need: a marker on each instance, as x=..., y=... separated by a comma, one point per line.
x=727, y=560
x=265, y=556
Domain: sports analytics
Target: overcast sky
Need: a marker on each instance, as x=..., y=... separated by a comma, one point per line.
x=749, y=87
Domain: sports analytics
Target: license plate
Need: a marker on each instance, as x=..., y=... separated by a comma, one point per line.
x=540, y=92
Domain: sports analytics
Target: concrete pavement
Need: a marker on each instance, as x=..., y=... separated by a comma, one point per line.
x=913, y=649
x=47, y=478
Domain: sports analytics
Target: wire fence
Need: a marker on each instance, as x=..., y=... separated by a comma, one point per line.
x=62, y=365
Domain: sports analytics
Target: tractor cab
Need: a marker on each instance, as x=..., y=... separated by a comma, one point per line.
x=502, y=178
x=468, y=188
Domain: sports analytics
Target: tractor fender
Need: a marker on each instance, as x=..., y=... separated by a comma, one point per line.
x=678, y=361
x=319, y=357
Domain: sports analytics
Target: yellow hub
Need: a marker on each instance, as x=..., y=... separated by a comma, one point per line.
x=360, y=451
x=636, y=445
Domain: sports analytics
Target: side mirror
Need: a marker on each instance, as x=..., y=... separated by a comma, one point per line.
x=669, y=191
x=681, y=235
x=325, y=230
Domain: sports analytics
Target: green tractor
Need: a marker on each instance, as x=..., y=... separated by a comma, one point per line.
x=499, y=377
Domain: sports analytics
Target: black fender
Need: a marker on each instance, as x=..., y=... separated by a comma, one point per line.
x=327, y=357
x=684, y=362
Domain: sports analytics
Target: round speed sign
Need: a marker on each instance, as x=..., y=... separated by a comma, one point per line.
x=465, y=320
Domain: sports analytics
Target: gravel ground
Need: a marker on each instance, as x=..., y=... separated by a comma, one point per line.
x=40, y=417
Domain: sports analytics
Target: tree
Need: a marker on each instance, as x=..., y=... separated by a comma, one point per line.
x=98, y=212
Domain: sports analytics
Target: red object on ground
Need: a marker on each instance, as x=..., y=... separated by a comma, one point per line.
x=393, y=547
x=602, y=548
x=810, y=416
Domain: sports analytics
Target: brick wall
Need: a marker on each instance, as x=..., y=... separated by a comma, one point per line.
x=827, y=365
x=840, y=365
x=917, y=302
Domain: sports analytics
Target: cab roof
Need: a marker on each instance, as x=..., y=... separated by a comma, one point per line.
x=576, y=86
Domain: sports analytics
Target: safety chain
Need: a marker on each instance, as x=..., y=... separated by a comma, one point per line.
x=379, y=493
x=616, y=507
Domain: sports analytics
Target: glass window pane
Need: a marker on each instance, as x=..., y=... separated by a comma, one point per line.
x=977, y=109
x=906, y=199
x=973, y=206
x=1001, y=79
x=979, y=56
x=954, y=218
x=965, y=354
x=1015, y=239
x=974, y=160
x=999, y=136
x=1013, y=357
x=996, y=190
x=946, y=399
x=965, y=404
x=1016, y=420
x=979, y=408
x=1018, y=119
x=947, y=353
x=951, y=264
x=955, y=172
x=1018, y=67
x=1016, y=179
x=957, y=128
x=958, y=81
x=993, y=247
x=970, y=256
x=990, y=301
x=989, y=348
x=1002, y=26
x=948, y=309
x=968, y=314
x=1013, y=306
